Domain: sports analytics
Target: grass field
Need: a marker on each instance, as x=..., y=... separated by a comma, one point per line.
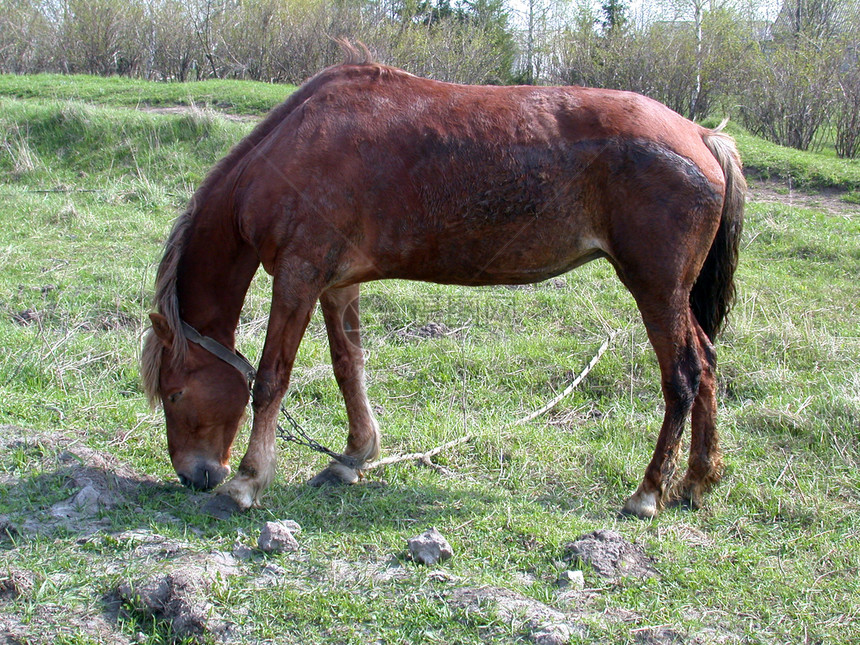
x=88, y=189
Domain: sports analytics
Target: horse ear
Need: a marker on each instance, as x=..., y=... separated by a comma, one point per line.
x=162, y=329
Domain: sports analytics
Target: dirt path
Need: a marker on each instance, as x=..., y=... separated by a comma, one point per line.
x=781, y=192
x=188, y=109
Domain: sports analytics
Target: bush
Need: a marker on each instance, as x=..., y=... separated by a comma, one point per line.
x=793, y=93
x=847, y=119
x=627, y=61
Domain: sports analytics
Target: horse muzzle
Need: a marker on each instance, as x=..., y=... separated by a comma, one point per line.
x=204, y=476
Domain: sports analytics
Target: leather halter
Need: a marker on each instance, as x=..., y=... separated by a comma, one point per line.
x=214, y=347
x=299, y=435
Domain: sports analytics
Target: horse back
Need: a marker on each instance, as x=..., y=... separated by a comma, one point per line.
x=388, y=175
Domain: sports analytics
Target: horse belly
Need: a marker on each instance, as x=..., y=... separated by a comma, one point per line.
x=495, y=217
x=507, y=255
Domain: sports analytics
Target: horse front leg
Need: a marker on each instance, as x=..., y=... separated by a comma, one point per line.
x=340, y=310
x=291, y=311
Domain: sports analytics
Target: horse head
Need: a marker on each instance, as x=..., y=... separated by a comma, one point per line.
x=204, y=401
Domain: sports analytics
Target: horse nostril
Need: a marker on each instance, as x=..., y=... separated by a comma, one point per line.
x=204, y=477
x=200, y=481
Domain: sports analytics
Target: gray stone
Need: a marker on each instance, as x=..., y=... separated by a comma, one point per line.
x=429, y=548
x=291, y=525
x=277, y=537
x=571, y=579
x=242, y=551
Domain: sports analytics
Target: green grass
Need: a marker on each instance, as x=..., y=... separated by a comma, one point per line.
x=233, y=97
x=808, y=170
x=88, y=194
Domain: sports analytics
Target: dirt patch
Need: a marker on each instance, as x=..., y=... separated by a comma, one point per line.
x=188, y=109
x=350, y=572
x=687, y=534
x=90, y=483
x=92, y=486
x=16, y=583
x=541, y=623
x=176, y=591
x=47, y=622
x=779, y=192
x=111, y=321
x=27, y=317
x=58, y=488
x=425, y=332
x=658, y=636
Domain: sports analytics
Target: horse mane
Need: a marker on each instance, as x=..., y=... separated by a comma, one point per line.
x=166, y=299
x=356, y=53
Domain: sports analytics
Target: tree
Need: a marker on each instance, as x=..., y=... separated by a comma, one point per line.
x=694, y=11
x=99, y=36
x=28, y=37
x=614, y=21
x=813, y=19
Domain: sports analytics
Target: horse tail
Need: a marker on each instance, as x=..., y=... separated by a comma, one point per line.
x=713, y=293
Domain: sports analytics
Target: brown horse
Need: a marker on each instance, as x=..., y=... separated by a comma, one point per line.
x=367, y=172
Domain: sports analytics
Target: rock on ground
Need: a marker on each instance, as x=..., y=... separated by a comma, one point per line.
x=429, y=548
x=610, y=555
x=573, y=580
x=277, y=537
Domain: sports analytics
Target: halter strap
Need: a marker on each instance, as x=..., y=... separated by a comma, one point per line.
x=214, y=347
x=299, y=436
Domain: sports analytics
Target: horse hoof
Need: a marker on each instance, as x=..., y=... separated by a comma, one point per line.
x=221, y=507
x=335, y=474
x=240, y=491
x=642, y=505
x=688, y=496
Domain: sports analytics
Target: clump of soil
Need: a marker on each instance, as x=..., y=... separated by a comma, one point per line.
x=95, y=482
x=543, y=624
x=178, y=595
x=15, y=584
x=27, y=317
x=425, y=332
x=165, y=580
x=610, y=555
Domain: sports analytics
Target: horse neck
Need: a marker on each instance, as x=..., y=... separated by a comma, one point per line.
x=215, y=271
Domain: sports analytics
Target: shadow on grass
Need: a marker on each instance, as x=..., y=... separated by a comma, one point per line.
x=79, y=500
x=376, y=505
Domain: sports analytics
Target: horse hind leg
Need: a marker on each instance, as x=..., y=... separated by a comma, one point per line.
x=705, y=467
x=673, y=337
x=340, y=311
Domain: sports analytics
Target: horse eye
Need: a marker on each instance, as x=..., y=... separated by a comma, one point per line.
x=173, y=398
